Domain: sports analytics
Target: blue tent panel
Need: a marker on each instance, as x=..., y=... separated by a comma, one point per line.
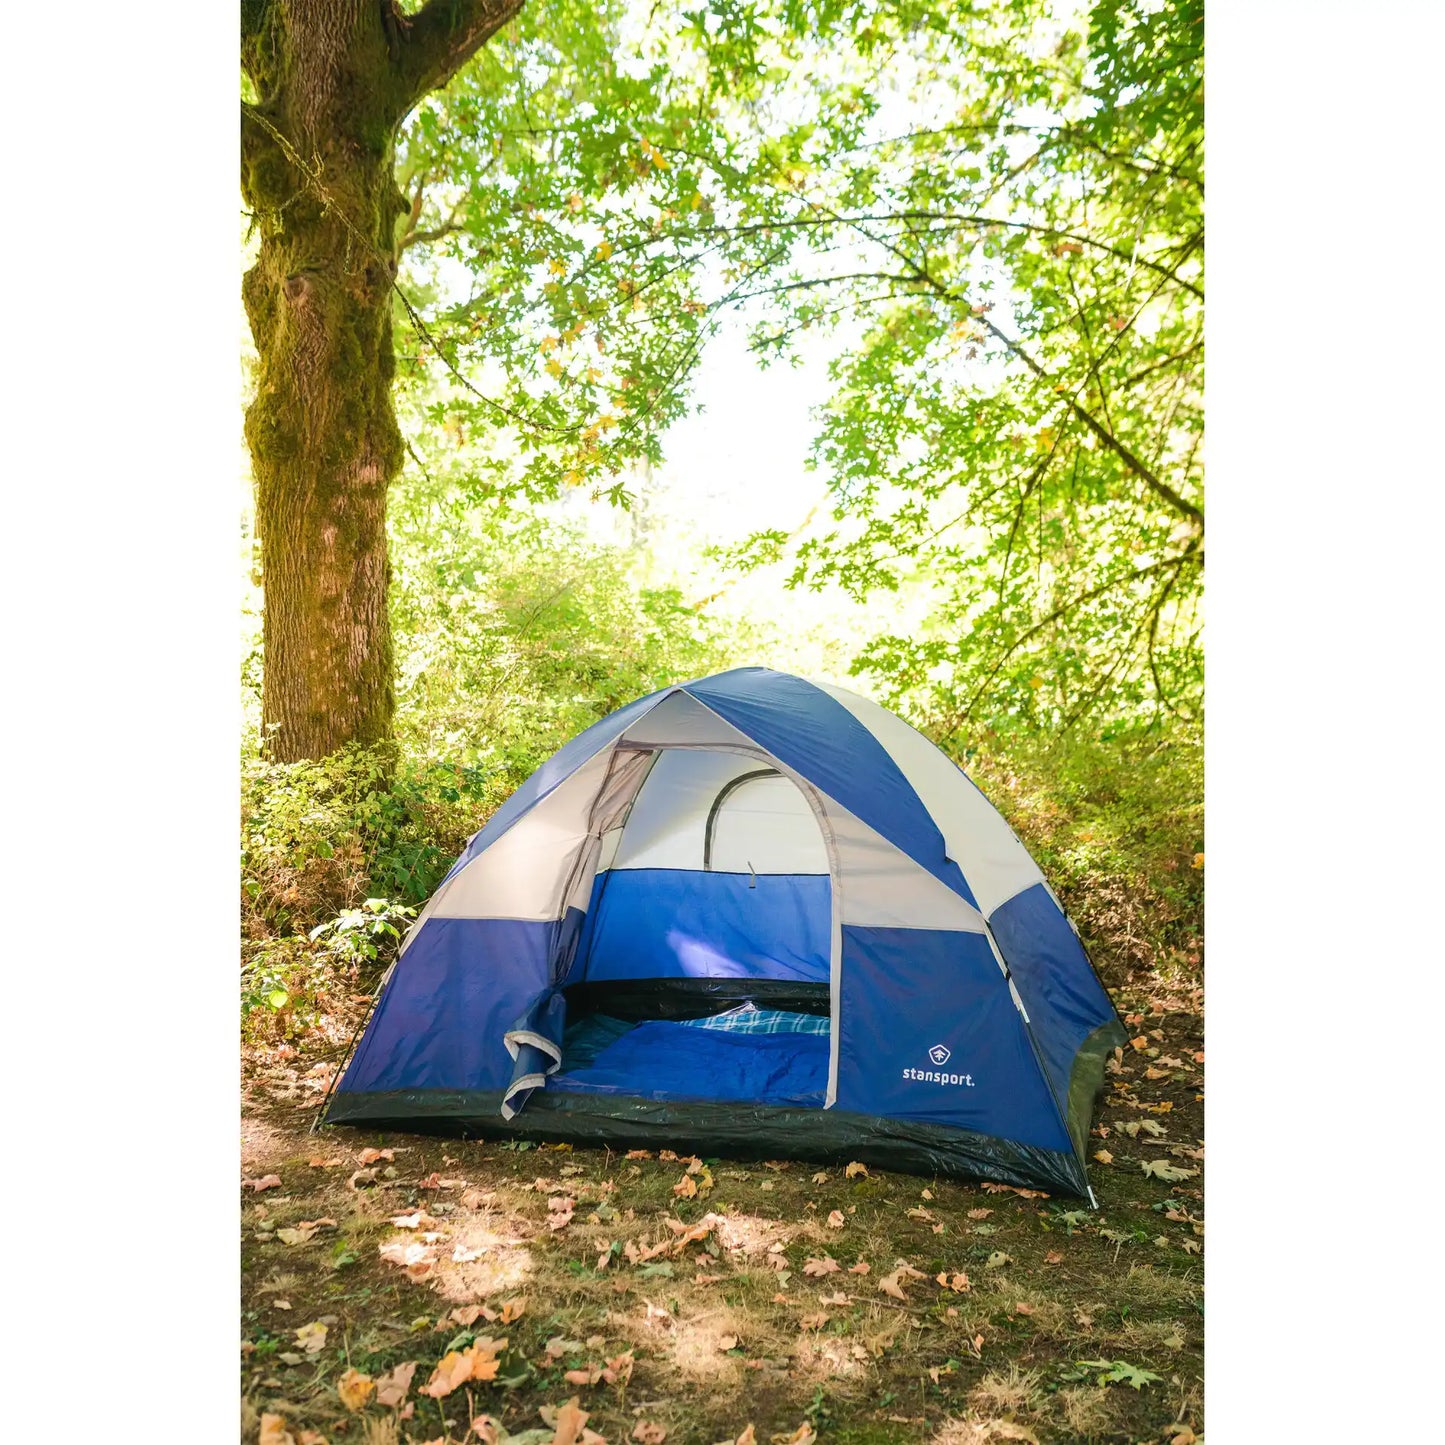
x=1051, y=971
x=674, y=923
x=815, y=735
x=929, y=1034
x=460, y=986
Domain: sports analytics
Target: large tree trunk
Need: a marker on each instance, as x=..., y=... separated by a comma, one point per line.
x=335, y=79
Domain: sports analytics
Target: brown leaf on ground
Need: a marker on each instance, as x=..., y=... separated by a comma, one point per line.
x=1053, y=1257
x=473, y=1199
x=819, y=1267
x=749, y=1436
x=814, y=1321
x=979, y=1213
x=836, y=1220
x=958, y=1283
x=649, y=1432
x=360, y=1177
x=512, y=1309
x=355, y=1389
x=992, y=1188
x=639, y=1154
x=686, y=1187
x=570, y=1423
x=419, y=1220
x=478, y=1362
x=372, y=1156
x=312, y=1337
x=861, y=1267
x=319, y=1163
x=266, y=1181
x=274, y=1431
x=1103, y=1156
x=392, y=1387
x=854, y=1170
x=833, y=1299
x=891, y=1284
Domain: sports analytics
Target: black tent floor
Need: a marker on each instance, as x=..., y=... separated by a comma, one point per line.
x=739, y=1131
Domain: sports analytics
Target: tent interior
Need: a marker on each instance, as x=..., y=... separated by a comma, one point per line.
x=701, y=968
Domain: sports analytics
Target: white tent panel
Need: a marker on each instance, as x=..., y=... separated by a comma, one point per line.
x=523, y=874
x=680, y=720
x=882, y=887
x=996, y=865
x=669, y=816
x=765, y=825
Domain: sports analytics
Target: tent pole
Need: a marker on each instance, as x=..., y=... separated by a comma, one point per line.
x=341, y=1066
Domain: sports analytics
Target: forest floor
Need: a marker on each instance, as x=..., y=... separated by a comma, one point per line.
x=704, y=1301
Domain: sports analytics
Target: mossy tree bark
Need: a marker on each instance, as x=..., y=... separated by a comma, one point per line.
x=334, y=79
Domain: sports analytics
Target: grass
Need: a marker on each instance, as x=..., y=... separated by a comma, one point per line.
x=728, y=1330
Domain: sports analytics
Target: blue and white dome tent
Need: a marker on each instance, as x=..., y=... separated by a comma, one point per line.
x=748, y=915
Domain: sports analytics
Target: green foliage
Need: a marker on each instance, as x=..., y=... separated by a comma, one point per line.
x=359, y=935
x=1116, y=822
x=1121, y=1372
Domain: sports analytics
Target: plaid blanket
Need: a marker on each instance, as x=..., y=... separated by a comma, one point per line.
x=748, y=1018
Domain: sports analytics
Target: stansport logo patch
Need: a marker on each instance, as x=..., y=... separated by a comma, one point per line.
x=939, y=1054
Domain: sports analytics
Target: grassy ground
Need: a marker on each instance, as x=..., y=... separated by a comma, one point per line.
x=586, y=1265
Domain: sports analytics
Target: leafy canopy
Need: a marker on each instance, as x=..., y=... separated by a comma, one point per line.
x=991, y=212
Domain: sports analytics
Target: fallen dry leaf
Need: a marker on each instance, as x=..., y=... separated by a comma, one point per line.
x=419, y=1220
x=958, y=1283
x=833, y=1299
x=1023, y=1309
x=854, y=1170
x=512, y=1309
x=992, y=1188
x=371, y=1156
x=355, y=1389
x=891, y=1284
x=686, y=1187
x=727, y=1342
x=649, y=1432
x=392, y=1387
x=1053, y=1257
x=570, y=1423
x=1163, y=1169
x=979, y=1213
x=267, y=1181
x=818, y=1267
x=814, y=1321
x=312, y=1337
x=836, y=1220
x=860, y=1268
x=274, y=1431
x=1103, y=1156
x=478, y=1362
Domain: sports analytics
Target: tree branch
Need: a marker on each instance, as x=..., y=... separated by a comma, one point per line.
x=440, y=38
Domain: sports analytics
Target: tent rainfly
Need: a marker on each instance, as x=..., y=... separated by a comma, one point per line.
x=748, y=915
